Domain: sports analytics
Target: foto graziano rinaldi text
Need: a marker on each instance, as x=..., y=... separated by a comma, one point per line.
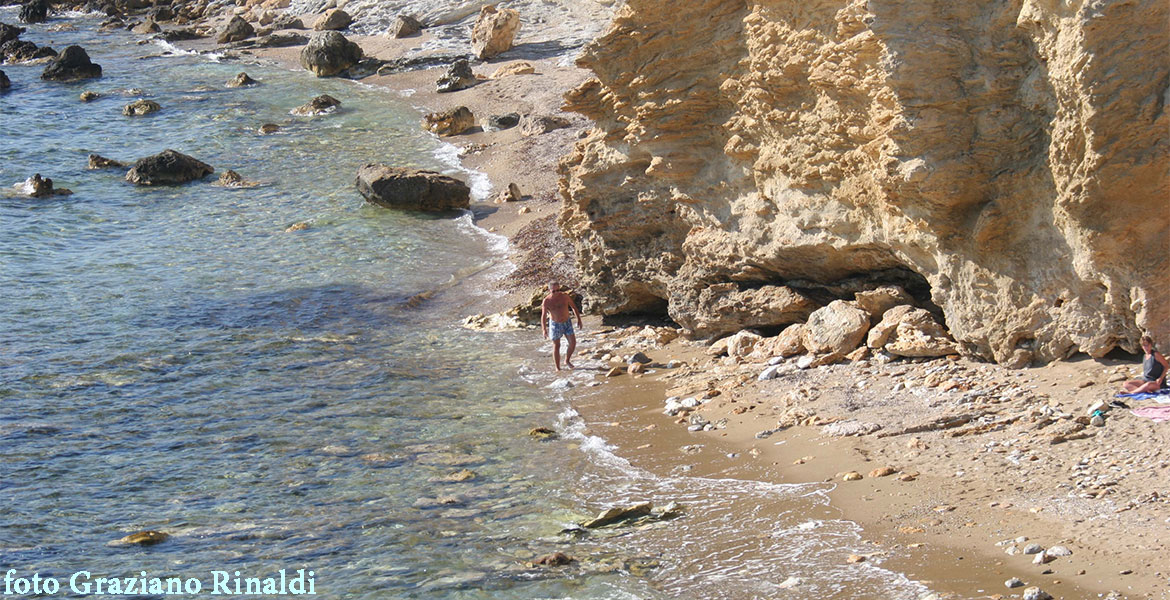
x=217, y=583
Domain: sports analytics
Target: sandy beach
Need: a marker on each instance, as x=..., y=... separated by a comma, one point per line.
x=962, y=465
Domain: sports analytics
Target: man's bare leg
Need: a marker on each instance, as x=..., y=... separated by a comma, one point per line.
x=557, y=353
x=569, y=351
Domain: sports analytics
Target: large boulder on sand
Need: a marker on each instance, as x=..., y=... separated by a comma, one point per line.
x=71, y=65
x=34, y=11
x=725, y=307
x=449, y=122
x=405, y=26
x=334, y=19
x=494, y=31
x=329, y=53
x=909, y=331
x=397, y=187
x=836, y=329
x=236, y=29
x=167, y=168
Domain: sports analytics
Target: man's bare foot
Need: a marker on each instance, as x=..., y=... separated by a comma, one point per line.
x=570, y=365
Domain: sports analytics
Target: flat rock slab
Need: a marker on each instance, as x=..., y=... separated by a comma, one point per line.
x=412, y=189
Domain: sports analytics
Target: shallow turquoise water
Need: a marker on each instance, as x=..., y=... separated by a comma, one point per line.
x=173, y=359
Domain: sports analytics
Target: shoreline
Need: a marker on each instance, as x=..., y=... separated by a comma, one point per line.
x=916, y=533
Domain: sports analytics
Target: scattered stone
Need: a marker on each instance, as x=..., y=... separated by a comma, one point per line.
x=333, y=19
x=397, y=187
x=531, y=125
x=556, y=559
x=141, y=107
x=542, y=433
x=1035, y=593
x=501, y=122
x=849, y=427
x=636, y=368
x=321, y=105
x=101, y=162
x=638, y=357
x=1033, y=549
x=836, y=329
x=146, y=27
x=494, y=31
x=1059, y=551
x=1014, y=582
x=450, y=122
x=882, y=472
x=167, y=168
x=509, y=194
x=1097, y=421
x=457, y=77
x=771, y=372
x=240, y=80
x=851, y=476
x=287, y=21
x=855, y=558
x=268, y=128
x=405, y=26
x=614, y=372
x=89, y=96
x=1043, y=558
x=516, y=68
x=71, y=65
x=142, y=538
x=236, y=29
x=329, y=53
x=908, y=331
x=742, y=344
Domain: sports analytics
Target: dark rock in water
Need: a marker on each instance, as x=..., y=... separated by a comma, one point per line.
x=18, y=51
x=139, y=108
x=618, y=514
x=501, y=122
x=236, y=29
x=334, y=19
x=180, y=35
x=142, y=538
x=101, y=162
x=34, y=11
x=556, y=559
x=71, y=65
x=458, y=77
x=449, y=122
x=405, y=26
x=241, y=80
x=320, y=105
x=542, y=433
x=4, y=82
x=268, y=128
x=329, y=53
x=167, y=168
x=42, y=187
x=397, y=187
x=89, y=96
x=231, y=179
x=9, y=32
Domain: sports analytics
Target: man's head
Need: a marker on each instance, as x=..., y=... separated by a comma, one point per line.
x=554, y=286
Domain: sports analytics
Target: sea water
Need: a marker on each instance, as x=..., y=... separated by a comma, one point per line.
x=178, y=359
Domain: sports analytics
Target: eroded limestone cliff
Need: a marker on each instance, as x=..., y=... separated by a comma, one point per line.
x=1004, y=160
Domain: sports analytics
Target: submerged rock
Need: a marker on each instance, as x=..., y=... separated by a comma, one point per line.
x=89, y=96
x=449, y=122
x=231, y=179
x=556, y=559
x=494, y=31
x=397, y=187
x=329, y=53
x=100, y=162
x=168, y=168
x=141, y=107
x=240, y=80
x=42, y=187
x=323, y=104
x=634, y=514
x=142, y=538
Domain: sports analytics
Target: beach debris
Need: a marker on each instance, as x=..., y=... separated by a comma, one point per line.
x=449, y=122
x=240, y=80
x=329, y=53
x=320, y=105
x=542, y=433
x=72, y=64
x=141, y=107
x=531, y=125
x=100, y=162
x=634, y=514
x=414, y=189
x=141, y=538
x=405, y=26
x=167, y=168
x=494, y=31
x=556, y=559
x=333, y=19
x=458, y=76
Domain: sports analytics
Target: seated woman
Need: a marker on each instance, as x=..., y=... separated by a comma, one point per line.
x=1154, y=368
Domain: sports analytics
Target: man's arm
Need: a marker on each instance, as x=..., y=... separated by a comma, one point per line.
x=1165, y=366
x=543, y=319
x=573, y=307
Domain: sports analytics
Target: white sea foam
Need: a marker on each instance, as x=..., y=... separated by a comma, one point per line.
x=173, y=49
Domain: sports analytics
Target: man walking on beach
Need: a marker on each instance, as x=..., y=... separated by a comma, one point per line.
x=556, y=309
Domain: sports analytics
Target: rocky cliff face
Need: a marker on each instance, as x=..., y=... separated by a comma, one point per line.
x=1005, y=160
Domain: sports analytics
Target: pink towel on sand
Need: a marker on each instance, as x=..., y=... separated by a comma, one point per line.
x=1157, y=413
